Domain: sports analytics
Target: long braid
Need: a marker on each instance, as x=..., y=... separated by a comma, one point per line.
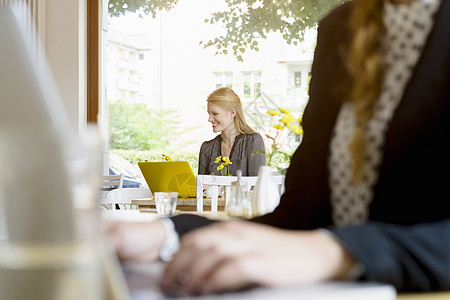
x=365, y=68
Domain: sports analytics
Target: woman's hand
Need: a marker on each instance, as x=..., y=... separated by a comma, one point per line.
x=136, y=241
x=236, y=254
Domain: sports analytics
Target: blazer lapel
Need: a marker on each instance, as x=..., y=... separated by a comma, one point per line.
x=423, y=93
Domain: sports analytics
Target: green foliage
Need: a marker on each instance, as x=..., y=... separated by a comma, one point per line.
x=120, y=7
x=282, y=131
x=135, y=156
x=134, y=126
x=249, y=21
x=281, y=161
x=246, y=22
x=278, y=160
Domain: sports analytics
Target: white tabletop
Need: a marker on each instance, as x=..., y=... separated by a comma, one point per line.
x=131, y=215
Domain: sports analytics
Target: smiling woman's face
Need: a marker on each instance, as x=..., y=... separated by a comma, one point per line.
x=221, y=119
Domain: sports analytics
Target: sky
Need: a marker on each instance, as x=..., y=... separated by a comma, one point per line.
x=186, y=80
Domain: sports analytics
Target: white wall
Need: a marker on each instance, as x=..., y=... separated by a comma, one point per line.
x=65, y=45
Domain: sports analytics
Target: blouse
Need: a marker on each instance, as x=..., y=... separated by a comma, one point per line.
x=242, y=155
x=407, y=27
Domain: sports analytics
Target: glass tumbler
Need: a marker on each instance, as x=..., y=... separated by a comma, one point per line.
x=166, y=203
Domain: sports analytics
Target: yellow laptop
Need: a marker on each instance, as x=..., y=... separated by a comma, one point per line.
x=170, y=176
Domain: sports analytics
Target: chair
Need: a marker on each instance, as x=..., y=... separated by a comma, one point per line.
x=112, y=182
x=214, y=182
x=122, y=197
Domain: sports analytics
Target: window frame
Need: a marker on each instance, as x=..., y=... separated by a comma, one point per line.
x=92, y=64
x=223, y=79
x=255, y=85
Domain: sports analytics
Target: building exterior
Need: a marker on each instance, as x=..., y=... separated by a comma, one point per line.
x=162, y=64
x=128, y=67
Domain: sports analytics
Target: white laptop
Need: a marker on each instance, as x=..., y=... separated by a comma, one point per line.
x=143, y=280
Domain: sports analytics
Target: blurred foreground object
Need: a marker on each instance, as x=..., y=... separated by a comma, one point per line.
x=44, y=252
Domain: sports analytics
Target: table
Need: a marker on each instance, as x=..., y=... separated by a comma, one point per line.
x=150, y=214
x=183, y=204
x=130, y=215
x=424, y=296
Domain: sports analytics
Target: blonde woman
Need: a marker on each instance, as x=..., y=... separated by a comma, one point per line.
x=237, y=140
x=367, y=189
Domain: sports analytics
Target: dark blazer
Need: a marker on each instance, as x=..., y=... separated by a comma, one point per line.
x=414, y=175
x=406, y=241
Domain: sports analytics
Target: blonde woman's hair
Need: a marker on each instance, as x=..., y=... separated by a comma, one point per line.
x=364, y=65
x=226, y=98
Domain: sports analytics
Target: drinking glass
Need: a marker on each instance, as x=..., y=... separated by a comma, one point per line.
x=166, y=203
x=239, y=203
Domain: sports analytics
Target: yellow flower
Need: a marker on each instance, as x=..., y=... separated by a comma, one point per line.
x=283, y=119
x=165, y=157
x=223, y=165
x=280, y=127
x=288, y=118
x=284, y=111
x=297, y=129
x=227, y=161
x=273, y=112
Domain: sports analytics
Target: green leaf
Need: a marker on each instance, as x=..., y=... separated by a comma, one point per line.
x=249, y=25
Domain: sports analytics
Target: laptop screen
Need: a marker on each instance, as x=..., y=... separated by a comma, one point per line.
x=170, y=176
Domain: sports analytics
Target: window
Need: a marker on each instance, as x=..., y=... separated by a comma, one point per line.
x=251, y=82
x=223, y=79
x=159, y=72
x=297, y=79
